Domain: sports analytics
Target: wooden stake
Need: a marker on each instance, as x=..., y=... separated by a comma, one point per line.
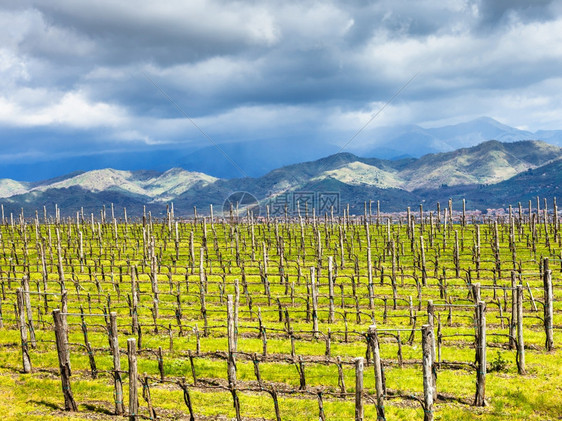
x=26, y=360
x=62, y=351
x=427, y=332
x=520, y=340
x=379, y=382
x=133, y=382
x=548, y=308
x=359, y=389
x=479, y=399
x=114, y=346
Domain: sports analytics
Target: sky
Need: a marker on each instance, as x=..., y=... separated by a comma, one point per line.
x=80, y=79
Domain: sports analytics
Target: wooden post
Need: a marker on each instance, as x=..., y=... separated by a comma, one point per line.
x=422, y=263
x=373, y=341
x=328, y=344
x=513, y=319
x=62, y=351
x=23, y=332
x=479, y=399
x=359, y=389
x=331, y=289
x=202, y=290
x=520, y=340
x=133, y=389
x=231, y=341
x=427, y=332
x=232, y=354
x=314, y=303
x=114, y=346
x=548, y=310
x=370, y=273
x=134, y=303
x=27, y=301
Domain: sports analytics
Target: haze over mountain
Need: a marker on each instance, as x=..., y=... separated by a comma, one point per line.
x=416, y=141
x=488, y=175
x=257, y=157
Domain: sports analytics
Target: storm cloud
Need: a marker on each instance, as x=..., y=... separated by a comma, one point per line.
x=81, y=78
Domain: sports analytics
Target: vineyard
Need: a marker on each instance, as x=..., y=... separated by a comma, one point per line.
x=420, y=315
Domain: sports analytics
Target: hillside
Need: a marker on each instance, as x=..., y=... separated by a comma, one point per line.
x=492, y=174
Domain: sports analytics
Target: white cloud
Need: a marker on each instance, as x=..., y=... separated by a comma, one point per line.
x=247, y=69
x=71, y=109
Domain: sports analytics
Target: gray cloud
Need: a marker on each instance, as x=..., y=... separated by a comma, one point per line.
x=311, y=69
x=494, y=12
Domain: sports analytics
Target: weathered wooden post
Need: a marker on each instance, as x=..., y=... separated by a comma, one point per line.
x=373, y=340
x=427, y=332
x=232, y=354
x=548, y=309
x=27, y=301
x=231, y=341
x=480, y=397
x=114, y=346
x=202, y=291
x=431, y=322
x=359, y=389
x=134, y=303
x=62, y=351
x=314, y=303
x=331, y=289
x=133, y=381
x=26, y=360
x=520, y=340
x=513, y=319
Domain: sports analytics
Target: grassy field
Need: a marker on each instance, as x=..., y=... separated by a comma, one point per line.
x=270, y=262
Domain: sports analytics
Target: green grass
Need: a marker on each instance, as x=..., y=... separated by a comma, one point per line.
x=536, y=395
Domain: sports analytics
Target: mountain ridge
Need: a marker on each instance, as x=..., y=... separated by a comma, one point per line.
x=471, y=171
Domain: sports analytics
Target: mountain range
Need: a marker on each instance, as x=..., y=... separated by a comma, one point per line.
x=255, y=158
x=492, y=174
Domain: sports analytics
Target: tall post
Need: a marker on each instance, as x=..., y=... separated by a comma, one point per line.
x=23, y=332
x=513, y=319
x=114, y=346
x=232, y=346
x=427, y=332
x=479, y=399
x=231, y=341
x=314, y=303
x=331, y=289
x=373, y=340
x=359, y=389
x=134, y=303
x=62, y=351
x=548, y=310
x=27, y=301
x=133, y=380
x=520, y=341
